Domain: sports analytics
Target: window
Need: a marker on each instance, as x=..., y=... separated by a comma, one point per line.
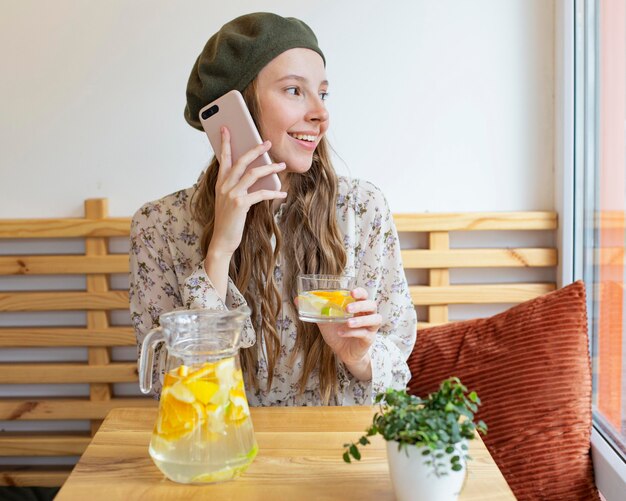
x=600, y=164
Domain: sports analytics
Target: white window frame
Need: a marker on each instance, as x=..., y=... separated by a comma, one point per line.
x=610, y=468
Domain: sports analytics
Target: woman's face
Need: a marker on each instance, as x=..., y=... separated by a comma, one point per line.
x=291, y=90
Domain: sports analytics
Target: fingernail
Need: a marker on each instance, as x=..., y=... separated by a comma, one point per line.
x=352, y=323
x=349, y=308
x=282, y=165
x=222, y=129
x=266, y=143
x=283, y=194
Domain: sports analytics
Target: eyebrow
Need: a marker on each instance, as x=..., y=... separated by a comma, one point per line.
x=299, y=78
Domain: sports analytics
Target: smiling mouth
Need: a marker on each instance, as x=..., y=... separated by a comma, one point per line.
x=303, y=137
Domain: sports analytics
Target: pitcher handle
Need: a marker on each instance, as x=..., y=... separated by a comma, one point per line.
x=146, y=360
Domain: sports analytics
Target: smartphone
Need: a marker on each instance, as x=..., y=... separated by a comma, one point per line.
x=231, y=111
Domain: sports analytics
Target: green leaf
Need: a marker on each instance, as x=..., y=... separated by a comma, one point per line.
x=425, y=452
x=364, y=441
x=346, y=457
x=457, y=467
x=355, y=452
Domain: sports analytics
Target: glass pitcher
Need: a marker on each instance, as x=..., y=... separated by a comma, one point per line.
x=203, y=432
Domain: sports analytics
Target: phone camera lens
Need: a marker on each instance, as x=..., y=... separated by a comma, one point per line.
x=210, y=112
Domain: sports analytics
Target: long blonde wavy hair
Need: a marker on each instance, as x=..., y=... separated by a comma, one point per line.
x=310, y=242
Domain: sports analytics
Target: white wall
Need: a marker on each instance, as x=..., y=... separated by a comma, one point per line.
x=446, y=105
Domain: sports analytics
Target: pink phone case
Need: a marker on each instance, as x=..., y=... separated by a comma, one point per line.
x=231, y=110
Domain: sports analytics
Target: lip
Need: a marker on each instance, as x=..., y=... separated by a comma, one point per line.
x=307, y=145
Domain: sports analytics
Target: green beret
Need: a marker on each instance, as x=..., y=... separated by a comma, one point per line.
x=235, y=55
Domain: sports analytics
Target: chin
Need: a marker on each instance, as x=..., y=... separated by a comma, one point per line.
x=299, y=168
x=298, y=165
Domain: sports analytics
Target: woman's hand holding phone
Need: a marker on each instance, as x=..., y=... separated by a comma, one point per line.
x=232, y=202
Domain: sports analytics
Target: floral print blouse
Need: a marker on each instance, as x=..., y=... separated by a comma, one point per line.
x=167, y=272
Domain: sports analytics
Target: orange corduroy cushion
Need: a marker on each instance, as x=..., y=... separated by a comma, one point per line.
x=530, y=366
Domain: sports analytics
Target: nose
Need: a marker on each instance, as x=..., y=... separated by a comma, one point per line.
x=317, y=111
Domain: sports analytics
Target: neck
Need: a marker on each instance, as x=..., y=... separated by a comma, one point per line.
x=284, y=180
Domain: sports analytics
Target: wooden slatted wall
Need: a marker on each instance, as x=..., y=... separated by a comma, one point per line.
x=439, y=259
x=97, y=336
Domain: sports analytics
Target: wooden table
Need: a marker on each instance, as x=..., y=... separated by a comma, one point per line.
x=299, y=458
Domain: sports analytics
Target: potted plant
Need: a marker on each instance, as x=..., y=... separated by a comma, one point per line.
x=426, y=440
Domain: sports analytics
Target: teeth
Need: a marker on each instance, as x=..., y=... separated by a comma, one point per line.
x=304, y=137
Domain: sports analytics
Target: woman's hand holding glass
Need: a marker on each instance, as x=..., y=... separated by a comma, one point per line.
x=351, y=340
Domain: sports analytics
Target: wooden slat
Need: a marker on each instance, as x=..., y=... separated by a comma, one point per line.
x=97, y=208
x=426, y=325
x=38, y=476
x=477, y=294
x=39, y=444
x=478, y=258
x=64, y=228
x=65, y=336
x=610, y=219
x=63, y=265
x=14, y=409
x=472, y=221
x=62, y=300
x=39, y=373
x=609, y=256
x=114, y=227
x=438, y=241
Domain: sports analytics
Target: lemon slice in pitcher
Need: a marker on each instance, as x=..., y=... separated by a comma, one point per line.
x=238, y=409
x=218, y=476
x=177, y=418
x=203, y=391
x=180, y=391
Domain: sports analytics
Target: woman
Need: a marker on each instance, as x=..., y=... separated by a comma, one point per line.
x=216, y=245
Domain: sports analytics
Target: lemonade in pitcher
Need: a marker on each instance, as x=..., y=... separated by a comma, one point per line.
x=203, y=432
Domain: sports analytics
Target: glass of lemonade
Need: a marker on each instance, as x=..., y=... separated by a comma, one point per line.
x=203, y=432
x=323, y=298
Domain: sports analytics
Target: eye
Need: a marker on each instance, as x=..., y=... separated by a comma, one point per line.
x=294, y=91
x=324, y=96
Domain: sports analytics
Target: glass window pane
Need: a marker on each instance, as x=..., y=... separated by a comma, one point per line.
x=605, y=210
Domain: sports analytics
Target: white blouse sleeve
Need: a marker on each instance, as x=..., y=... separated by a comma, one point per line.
x=379, y=270
x=154, y=284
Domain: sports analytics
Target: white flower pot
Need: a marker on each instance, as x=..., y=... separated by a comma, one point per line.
x=413, y=480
